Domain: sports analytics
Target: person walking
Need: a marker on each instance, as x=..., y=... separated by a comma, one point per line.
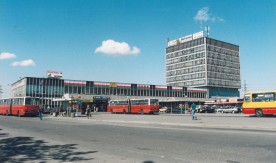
x=88, y=111
x=40, y=113
x=193, y=110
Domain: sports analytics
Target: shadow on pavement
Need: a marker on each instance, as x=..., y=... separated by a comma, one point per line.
x=26, y=149
x=264, y=116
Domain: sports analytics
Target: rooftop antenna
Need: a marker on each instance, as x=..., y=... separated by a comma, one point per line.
x=207, y=30
x=245, y=87
x=167, y=41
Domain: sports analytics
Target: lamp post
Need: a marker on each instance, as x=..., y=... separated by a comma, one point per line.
x=1, y=91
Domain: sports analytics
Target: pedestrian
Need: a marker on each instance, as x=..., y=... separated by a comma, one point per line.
x=95, y=109
x=193, y=111
x=40, y=113
x=68, y=110
x=88, y=111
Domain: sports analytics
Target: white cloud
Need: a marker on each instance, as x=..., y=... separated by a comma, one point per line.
x=6, y=55
x=203, y=16
x=24, y=63
x=111, y=47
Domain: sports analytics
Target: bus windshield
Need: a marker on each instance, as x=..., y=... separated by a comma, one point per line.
x=247, y=98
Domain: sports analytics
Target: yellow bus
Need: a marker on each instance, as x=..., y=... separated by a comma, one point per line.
x=259, y=103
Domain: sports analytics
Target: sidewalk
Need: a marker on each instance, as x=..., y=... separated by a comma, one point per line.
x=204, y=121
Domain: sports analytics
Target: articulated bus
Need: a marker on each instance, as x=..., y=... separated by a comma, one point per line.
x=259, y=103
x=141, y=106
x=19, y=106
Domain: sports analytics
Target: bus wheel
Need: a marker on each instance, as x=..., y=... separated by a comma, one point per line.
x=259, y=112
x=18, y=114
x=142, y=111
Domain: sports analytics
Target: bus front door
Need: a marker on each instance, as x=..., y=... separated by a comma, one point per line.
x=10, y=110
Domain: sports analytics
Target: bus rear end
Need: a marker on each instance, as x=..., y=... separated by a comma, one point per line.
x=145, y=106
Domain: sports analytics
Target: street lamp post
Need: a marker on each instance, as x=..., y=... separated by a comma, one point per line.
x=1, y=91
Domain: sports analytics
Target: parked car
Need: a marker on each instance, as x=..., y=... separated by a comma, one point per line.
x=232, y=110
x=199, y=108
x=220, y=109
x=163, y=110
x=206, y=109
x=173, y=110
x=223, y=108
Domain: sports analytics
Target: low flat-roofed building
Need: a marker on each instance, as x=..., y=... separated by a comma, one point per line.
x=48, y=89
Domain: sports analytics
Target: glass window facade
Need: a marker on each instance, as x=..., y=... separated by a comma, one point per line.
x=46, y=89
x=223, y=64
x=204, y=63
x=119, y=89
x=186, y=64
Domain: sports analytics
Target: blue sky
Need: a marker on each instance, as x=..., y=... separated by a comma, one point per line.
x=124, y=40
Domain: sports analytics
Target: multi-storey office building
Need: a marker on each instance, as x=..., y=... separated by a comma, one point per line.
x=48, y=89
x=202, y=62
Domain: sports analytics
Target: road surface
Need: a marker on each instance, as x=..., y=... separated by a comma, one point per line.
x=92, y=140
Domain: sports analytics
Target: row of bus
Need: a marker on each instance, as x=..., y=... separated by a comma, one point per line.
x=257, y=103
x=29, y=106
x=254, y=103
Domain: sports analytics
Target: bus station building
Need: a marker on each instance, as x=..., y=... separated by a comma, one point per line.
x=56, y=92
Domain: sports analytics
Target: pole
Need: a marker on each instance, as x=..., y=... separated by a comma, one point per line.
x=1, y=91
x=171, y=107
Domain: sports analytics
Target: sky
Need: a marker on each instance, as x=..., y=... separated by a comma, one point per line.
x=125, y=40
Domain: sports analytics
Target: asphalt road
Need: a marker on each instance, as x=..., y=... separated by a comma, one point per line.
x=89, y=140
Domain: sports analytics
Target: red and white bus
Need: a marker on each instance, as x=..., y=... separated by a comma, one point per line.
x=134, y=106
x=20, y=106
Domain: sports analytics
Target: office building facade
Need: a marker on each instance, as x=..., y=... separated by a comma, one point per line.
x=201, y=62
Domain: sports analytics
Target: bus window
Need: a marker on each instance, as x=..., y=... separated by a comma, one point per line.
x=15, y=101
x=7, y=101
x=20, y=101
x=112, y=103
x=153, y=102
x=31, y=101
x=122, y=103
x=269, y=97
x=134, y=102
x=257, y=97
x=144, y=102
